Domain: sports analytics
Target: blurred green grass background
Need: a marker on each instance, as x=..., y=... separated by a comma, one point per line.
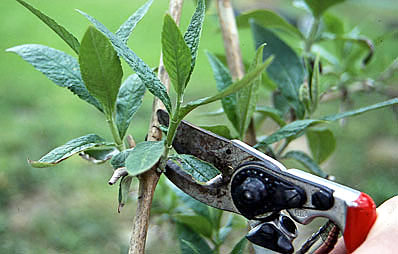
x=70, y=208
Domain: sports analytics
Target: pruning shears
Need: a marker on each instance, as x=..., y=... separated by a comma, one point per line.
x=259, y=188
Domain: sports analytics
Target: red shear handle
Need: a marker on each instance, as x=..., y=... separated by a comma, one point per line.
x=360, y=219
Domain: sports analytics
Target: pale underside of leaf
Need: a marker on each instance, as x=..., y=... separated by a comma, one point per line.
x=129, y=100
x=72, y=147
x=192, y=35
x=128, y=26
x=59, y=67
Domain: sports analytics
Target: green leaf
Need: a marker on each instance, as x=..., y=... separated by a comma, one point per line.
x=101, y=68
x=129, y=100
x=315, y=84
x=124, y=189
x=143, y=71
x=119, y=160
x=176, y=54
x=223, y=80
x=189, y=247
x=360, y=110
x=306, y=161
x=321, y=142
x=99, y=155
x=272, y=113
x=72, y=147
x=128, y=26
x=240, y=247
x=220, y=130
x=267, y=18
x=305, y=97
x=144, y=156
x=287, y=70
x=59, y=67
x=318, y=7
x=188, y=201
x=186, y=234
x=333, y=24
x=247, y=96
x=200, y=171
x=198, y=223
x=60, y=30
x=289, y=130
x=246, y=80
x=192, y=35
x=280, y=103
x=297, y=127
x=225, y=230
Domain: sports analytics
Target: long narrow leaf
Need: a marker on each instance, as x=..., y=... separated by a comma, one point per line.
x=186, y=234
x=322, y=143
x=128, y=26
x=223, y=80
x=145, y=73
x=72, y=147
x=298, y=127
x=200, y=171
x=315, y=84
x=246, y=80
x=289, y=130
x=361, y=110
x=128, y=101
x=287, y=70
x=240, y=247
x=60, y=30
x=101, y=68
x=192, y=35
x=59, y=67
x=319, y=7
x=176, y=54
x=196, y=222
x=306, y=161
x=187, y=247
x=267, y=18
x=124, y=189
x=247, y=96
x=272, y=113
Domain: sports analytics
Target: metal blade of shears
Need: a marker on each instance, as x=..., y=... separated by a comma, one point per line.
x=224, y=154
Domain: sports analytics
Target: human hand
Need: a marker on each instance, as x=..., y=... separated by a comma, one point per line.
x=383, y=236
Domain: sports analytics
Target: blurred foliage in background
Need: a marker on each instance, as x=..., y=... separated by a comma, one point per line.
x=71, y=208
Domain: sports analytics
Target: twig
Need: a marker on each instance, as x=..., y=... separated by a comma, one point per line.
x=130, y=141
x=149, y=179
x=234, y=56
x=120, y=172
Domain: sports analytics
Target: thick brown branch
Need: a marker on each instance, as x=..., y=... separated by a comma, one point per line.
x=149, y=179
